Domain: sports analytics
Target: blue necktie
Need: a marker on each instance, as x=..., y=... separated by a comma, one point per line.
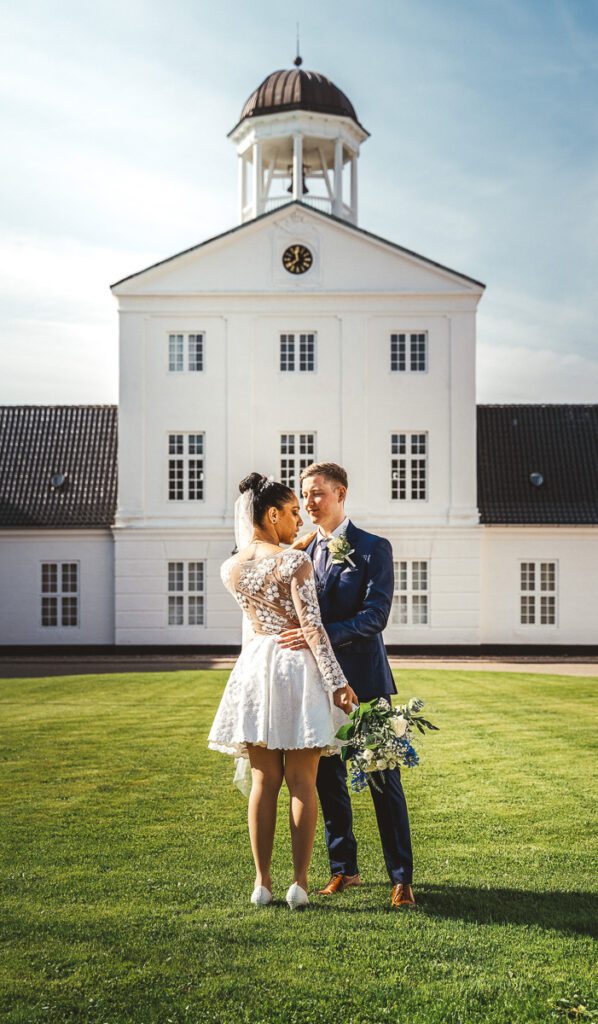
x=320, y=558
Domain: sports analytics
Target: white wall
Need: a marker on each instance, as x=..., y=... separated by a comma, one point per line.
x=353, y=402
x=141, y=587
x=453, y=557
x=21, y=555
x=236, y=292
x=574, y=549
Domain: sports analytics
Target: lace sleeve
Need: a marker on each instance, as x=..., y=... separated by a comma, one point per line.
x=307, y=609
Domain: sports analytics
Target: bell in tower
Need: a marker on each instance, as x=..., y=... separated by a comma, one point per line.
x=298, y=125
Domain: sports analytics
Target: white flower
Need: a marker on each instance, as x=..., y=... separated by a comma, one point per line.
x=415, y=705
x=340, y=549
x=368, y=756
x=398, y=725
x=380, y=765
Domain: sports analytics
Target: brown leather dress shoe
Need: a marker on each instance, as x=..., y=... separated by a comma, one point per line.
x=338, y=883
x=402, y=896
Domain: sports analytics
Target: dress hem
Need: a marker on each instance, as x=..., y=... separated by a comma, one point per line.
x=240, y=749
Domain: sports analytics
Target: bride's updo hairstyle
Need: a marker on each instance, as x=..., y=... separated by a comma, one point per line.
x=266, y=493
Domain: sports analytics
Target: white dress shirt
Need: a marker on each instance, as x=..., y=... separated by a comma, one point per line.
x=340, y=529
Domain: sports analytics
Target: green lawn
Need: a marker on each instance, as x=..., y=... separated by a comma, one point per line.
x=127, y=870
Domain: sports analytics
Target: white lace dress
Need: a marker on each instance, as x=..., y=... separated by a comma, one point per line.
x=278, y=698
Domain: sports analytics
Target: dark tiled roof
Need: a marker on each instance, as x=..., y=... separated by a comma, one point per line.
x=558, y=441
x=514, y=441
x=39, y=441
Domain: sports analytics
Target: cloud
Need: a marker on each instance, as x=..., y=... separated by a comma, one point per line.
x=508, y=373
x=51, y=362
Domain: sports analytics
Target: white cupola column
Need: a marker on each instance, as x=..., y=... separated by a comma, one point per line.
x=354, y=188
x=258, y=184
x=297, y=166
x=242, y=185
x=337, y=208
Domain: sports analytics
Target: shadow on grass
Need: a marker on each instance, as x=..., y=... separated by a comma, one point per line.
x=573, y=912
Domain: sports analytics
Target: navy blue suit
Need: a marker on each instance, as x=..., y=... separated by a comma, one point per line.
x=355, y=604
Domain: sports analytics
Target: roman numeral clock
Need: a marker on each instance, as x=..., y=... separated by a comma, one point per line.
x=297, y=259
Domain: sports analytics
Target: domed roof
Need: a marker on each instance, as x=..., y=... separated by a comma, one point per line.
x=296, y=89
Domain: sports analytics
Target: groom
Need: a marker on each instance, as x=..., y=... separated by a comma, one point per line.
x=355, y=601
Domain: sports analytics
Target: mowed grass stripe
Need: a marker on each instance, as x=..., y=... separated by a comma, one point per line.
x=127, y=869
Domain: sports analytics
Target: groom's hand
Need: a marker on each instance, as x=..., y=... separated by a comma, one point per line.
x=292, y=640
x=344, y=698
x=303, y=542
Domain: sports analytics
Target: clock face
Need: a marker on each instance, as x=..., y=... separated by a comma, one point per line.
x=297, y=259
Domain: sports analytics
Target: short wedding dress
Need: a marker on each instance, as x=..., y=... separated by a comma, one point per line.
x=277, y=698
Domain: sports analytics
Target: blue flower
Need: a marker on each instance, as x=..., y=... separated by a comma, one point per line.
x=408, y=753
x=358, y=780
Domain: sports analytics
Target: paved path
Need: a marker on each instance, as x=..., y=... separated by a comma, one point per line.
x=35, y=666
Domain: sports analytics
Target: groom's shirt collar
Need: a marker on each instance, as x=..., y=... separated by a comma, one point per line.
x=341, y=528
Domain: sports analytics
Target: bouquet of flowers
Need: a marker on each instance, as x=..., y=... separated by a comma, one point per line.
x=378, y=736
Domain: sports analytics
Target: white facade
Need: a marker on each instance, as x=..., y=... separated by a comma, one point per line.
x=574, y=552
x=357, y=294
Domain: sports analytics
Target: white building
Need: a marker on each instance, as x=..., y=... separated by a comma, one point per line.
x=293, y=337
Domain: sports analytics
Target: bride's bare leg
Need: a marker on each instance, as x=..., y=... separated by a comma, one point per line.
x=300, y=770
x=267, y=775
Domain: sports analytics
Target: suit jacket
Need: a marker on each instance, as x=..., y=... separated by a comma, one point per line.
x=355, y=604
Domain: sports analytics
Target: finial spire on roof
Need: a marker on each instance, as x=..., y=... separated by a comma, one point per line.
x=298, y=59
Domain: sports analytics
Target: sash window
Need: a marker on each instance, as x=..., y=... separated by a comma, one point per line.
x=185, y=467
x=186, y=593
x=538, y=593
x=409, y=467
x=410, y=606
x=60, y=594
x=185, y=352
x=409, y=352
x=297, y=353
x=297, y=451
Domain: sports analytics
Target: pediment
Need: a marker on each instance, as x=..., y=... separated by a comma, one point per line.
x=248, y=259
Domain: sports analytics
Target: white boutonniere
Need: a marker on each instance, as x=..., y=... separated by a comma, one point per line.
x=340, y=550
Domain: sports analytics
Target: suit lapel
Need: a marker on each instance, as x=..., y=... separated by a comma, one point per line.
x=336, y=568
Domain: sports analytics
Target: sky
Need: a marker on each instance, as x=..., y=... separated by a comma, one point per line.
x=483, y=156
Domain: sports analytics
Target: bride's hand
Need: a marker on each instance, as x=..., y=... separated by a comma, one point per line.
x=292, y=640
x=344, y=698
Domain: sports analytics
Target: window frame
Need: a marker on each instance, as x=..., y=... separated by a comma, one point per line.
x=186, y=354
x=537, y=592
x=300, y=461
x=295, y=338
x=59, y=594
x=185, y=459
x=409, y=592
x=186, y=592
x=410, y=337
x=411, y=462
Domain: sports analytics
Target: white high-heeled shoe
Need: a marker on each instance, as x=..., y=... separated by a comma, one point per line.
x=297, y=897
x=261, y=896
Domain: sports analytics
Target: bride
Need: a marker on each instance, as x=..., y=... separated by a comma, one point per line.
x=280, y=708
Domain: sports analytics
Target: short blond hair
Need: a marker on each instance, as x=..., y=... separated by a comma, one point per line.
x=330, y=470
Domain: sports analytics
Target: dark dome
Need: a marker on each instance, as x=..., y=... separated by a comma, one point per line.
x=296, y=89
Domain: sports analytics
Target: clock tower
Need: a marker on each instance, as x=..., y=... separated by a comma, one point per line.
x=298, y=137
